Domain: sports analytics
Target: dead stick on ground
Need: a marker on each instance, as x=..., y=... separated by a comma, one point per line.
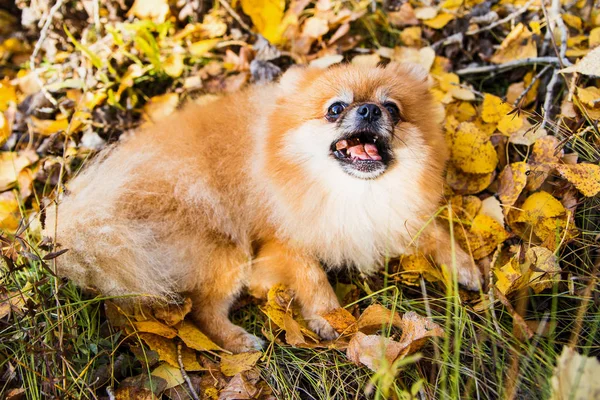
x=508, y=65
x=184, y=374
x=533, y=81
x=508, y=18
x=38, y=46
x=235, y=16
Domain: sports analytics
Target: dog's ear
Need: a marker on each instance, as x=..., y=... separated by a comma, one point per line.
x=416, y=71
x=291, y=79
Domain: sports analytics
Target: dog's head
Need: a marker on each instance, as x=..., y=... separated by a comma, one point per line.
x=353, y=118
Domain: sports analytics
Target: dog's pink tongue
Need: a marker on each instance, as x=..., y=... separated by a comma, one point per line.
x=364, y=152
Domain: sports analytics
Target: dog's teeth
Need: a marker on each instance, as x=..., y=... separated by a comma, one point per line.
x=342, y=144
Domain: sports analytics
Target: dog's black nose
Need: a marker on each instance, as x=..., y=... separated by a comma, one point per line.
x=369, y=112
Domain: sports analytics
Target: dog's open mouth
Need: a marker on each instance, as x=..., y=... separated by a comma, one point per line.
x=362, y=155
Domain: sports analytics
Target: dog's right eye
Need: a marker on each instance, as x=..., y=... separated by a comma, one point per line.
x=334, y=111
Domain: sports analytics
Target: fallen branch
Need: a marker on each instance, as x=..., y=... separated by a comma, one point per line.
x=533, y=81
x=508, y=18
x=235, y=16
x=185, y=375
x=508, y=65
x=38, y=46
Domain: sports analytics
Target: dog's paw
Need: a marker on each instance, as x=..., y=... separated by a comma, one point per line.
x=470, y=277
x=242, y=341
x=322, y=328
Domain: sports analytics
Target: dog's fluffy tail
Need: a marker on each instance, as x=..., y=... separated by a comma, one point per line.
x=118, y=256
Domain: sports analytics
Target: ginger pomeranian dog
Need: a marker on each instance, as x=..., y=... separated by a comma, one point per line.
x=341, y=166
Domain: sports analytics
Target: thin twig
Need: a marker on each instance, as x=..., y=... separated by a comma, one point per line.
x=37, y=48
x=508, y=65
x=549, y=99
x=184, y=374
x=508, y=18
x=235, y=16
x=530, y=86
x=456, y=38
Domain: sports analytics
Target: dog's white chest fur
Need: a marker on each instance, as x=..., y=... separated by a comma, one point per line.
x=343, y=219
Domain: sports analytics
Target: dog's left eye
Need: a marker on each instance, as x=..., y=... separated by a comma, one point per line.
x=393, y=110
x=334, y=110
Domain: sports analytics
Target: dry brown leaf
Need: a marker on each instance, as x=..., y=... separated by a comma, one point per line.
x=513, y=180
x=233, y=364
x=240, y=387
x=465, y=183
x=588, y=65
x=543, y=267
x=167, y=351
x=415, y=331
x=342, y=321
x=371, y=350
x=194, y=338
x=11, y=302
x=375, y=317
x=293, y=331
x=575, y=377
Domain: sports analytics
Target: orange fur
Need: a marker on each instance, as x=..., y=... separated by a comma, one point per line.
x=242, y=192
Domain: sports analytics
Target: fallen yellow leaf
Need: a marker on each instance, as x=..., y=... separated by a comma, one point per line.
x=585, y=177
x=485, y=235
x=509, y=277
x=493, y=108
x=439, y=21
x=472, y=151
x=233, y=364
x=413, y=266
x=11, y=164
x=173, y=65
x=8, y=94
x=155, y=327
x=202, y=47
x=194, y=338
x=172, y=375
x=519, y=44
x=266, y=16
